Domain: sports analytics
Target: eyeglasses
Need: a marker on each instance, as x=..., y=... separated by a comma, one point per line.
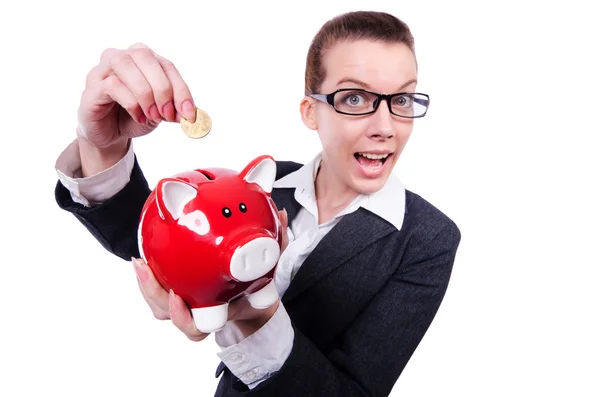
x=358, y=102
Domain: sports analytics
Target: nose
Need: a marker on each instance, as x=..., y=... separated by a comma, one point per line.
x=382, y=123
x=254, y=259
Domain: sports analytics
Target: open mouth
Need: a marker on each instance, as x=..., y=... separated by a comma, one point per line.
x=371, y=160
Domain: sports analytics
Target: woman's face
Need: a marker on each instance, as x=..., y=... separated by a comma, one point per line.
x=348, y=141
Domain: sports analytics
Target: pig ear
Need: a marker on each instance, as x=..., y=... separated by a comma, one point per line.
x=261, y=171
x=171, y=196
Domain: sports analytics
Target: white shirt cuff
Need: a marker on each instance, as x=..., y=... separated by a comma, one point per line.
x=264, y=352
x=96, y=188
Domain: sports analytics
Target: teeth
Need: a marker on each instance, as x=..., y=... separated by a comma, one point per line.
x=373, y=156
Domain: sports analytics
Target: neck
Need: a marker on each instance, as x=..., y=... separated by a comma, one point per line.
x=331, y=193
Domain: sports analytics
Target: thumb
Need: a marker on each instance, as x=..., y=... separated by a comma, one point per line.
x=283, y=218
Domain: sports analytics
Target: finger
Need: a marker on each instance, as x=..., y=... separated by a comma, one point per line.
x=104, y=67
x=107, y=54
x=110, y=52
x=283, y=218
x=131, y=76
x=156, y=311
x=167, y=110
x=112, y=89
x=138, y=45
x=184, y=104
x=182, y=318
x=96, y=75
x=152, y=289
x=102, y=70
x=148, y=64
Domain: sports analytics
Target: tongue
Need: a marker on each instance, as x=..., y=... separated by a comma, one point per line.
x=365, y=162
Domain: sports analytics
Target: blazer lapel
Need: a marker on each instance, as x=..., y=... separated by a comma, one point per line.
x=284, y=198
x=352, y=234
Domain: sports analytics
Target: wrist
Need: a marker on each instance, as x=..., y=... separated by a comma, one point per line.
x=95, y=160
x=250, y=326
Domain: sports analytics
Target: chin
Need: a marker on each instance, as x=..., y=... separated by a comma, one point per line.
x=369, y=186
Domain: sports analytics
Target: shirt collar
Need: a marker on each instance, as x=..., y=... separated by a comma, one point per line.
x=389, y=202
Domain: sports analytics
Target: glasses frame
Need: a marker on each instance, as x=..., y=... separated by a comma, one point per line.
x=328, y=98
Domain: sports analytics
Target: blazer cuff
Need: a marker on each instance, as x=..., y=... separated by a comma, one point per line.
x=97, y=188
x=254, y=359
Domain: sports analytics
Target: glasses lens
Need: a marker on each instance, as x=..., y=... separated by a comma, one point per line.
x=410, y=105
x=362, y=102
x=354, y=102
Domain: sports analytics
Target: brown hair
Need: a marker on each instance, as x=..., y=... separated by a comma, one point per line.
x=352, y=26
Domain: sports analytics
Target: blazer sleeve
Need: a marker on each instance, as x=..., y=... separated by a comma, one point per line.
x=114, y=222
x=374, y=350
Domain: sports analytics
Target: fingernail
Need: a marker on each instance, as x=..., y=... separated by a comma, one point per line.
x=142, y=119
x=168, y=111
x=140, y=272
x=171, y=300
x=138, y=261
x=189, y=111
x=153, y=112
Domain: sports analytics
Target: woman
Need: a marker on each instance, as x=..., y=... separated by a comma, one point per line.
x=368, y=262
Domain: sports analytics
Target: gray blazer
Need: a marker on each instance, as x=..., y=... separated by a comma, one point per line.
x=359, y=305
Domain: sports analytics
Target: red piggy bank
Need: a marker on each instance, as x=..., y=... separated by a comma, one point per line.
x=212, y=235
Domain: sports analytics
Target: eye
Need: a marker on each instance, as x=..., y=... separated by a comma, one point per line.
x=354, y=99
x=226, y=212
x=403, y=101
x=243, y=207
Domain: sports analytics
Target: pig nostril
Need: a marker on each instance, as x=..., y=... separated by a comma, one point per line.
x=265, y=254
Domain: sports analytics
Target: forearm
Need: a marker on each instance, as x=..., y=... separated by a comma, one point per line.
x=306, y=372
x=253, y=358
x=113, y=222
x=95, y=160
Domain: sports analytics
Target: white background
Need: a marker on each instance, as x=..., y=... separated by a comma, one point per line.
x=508, y=150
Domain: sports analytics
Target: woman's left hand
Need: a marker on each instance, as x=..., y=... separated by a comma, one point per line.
x=167, y=305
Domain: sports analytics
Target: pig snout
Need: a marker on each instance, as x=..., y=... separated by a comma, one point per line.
x=254, y=259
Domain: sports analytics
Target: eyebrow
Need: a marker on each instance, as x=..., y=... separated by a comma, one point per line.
x=368, y=87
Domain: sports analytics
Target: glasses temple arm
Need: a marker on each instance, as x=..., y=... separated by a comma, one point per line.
x=420, y=101
x=320, y=97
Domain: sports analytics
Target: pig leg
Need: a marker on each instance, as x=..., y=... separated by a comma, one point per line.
x=210, y=319
x=264, y=297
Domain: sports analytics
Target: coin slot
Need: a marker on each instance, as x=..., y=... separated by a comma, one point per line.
x=209, y=175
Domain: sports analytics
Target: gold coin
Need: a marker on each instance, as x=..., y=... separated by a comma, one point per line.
x=198, y=129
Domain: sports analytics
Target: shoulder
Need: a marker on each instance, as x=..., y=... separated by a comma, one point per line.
x=428, y=215
x=286, y=167
x=424, y=222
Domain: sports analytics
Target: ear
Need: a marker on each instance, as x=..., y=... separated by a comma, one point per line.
x=171, y=196
x=308, y=109
x=261, y=171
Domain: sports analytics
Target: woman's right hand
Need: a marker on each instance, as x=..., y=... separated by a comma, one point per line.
x=128, y=94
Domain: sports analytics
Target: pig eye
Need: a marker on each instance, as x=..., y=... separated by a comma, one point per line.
x=226, y=212
x=243, y=207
